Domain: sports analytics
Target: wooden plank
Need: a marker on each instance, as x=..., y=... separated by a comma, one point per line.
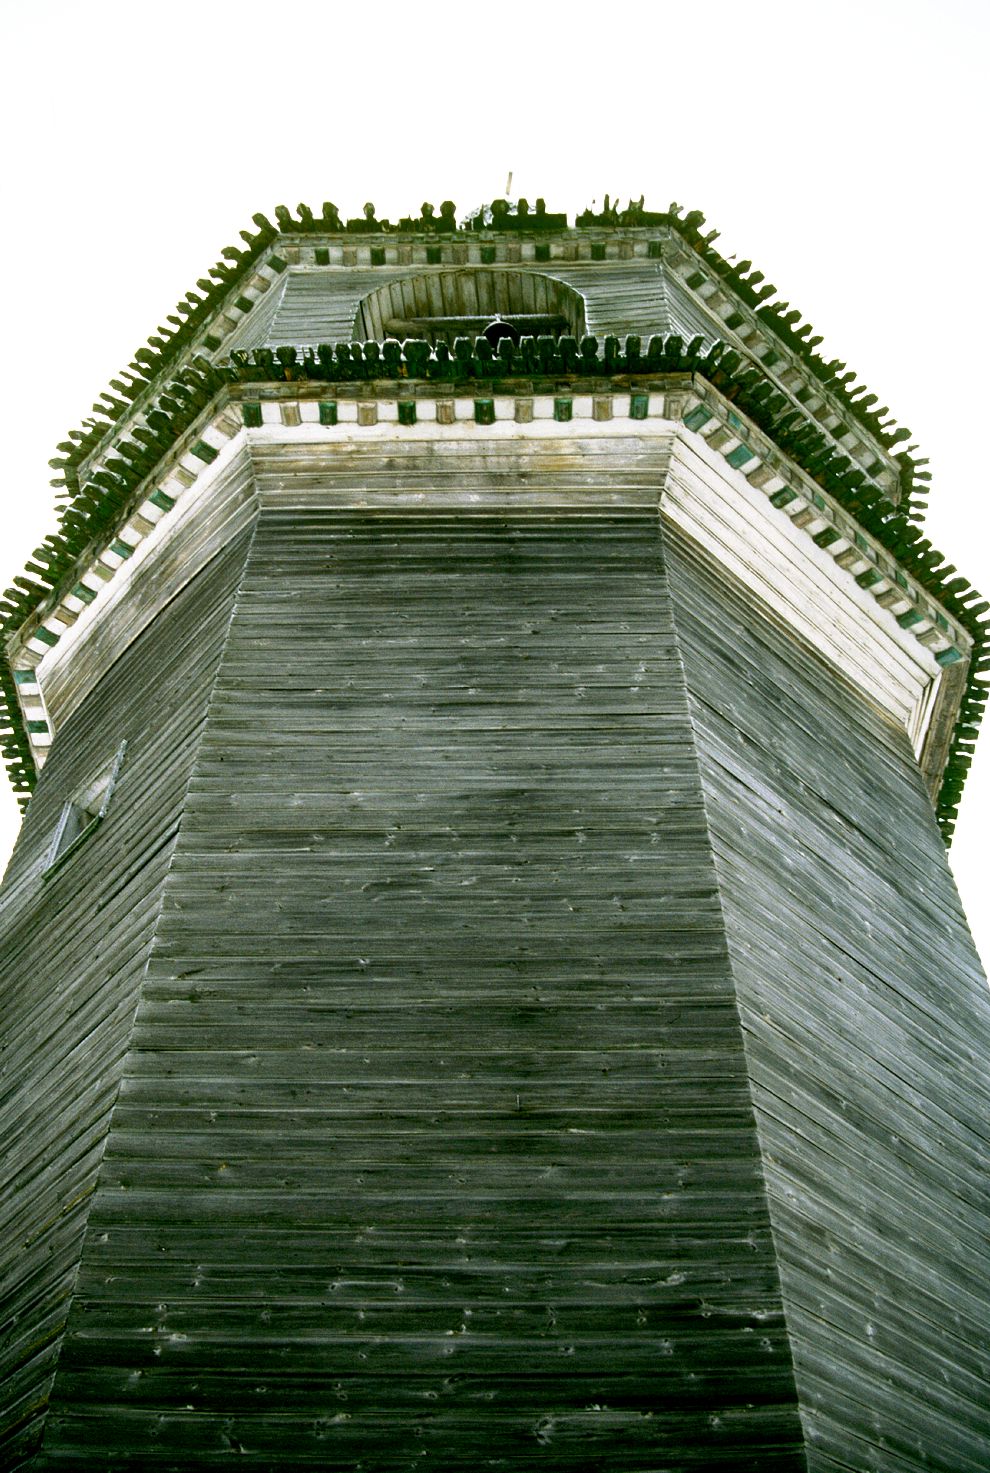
x=867, y=1024
x=427, y=995
x=74, y=949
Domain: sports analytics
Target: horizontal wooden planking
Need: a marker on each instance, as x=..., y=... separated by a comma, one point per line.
x=428, y=991
x=73, y=949
x=337, y=1440
x=554, y=470
x=805, y=587
x=212, y=516
x=641, y=296
x=317, y=307
x=868, y=1031
x=256, y=327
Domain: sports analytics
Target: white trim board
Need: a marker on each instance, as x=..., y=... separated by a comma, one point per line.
x=763, y=548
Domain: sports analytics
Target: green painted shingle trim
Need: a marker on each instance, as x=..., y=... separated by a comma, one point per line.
x=742, y=455
x=697, y=417
x=98, y=507
x=156, y=358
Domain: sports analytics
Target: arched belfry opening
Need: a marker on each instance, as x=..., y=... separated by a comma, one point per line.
x=443, y=305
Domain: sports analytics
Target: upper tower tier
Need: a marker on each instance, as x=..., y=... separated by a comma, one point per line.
x=333, y=317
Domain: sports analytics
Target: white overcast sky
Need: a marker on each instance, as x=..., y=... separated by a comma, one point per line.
x=841, y=147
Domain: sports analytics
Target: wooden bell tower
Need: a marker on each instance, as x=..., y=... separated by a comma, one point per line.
x=482, y=984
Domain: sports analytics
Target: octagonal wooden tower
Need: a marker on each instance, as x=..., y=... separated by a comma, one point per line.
x=483, y=988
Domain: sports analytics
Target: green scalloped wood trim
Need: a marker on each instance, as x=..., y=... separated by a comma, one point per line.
x=224, y=281
x=100, y=504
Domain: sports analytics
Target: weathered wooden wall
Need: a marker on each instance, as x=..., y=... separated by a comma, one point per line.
x=867, y=1022
x=72, y=953
x=435, y=1143
x=436, y=1146
x=323, y=306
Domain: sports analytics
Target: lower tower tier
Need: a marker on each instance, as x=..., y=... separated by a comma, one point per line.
x=557, y=1043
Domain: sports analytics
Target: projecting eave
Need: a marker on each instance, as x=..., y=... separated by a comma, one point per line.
x=753, y=351
x=173, y=376
x=756, y=468
x=205, y=320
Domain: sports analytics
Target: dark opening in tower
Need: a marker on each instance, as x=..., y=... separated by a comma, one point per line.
x=443, y=305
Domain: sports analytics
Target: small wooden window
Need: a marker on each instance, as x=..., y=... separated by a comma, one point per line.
x=84, y=812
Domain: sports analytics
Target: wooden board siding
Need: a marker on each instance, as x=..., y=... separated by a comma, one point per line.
x=310, y=307
x=868, y=1036
x=72, y=951
x=798, y=585
x=212, y=515
x=435, y=1147
x=641, y=297
x=255, y=328
x=623, y=297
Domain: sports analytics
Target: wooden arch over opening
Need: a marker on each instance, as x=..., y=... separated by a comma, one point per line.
x=444, y=305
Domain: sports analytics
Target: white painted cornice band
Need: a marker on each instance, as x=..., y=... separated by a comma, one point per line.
x=757, y=515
